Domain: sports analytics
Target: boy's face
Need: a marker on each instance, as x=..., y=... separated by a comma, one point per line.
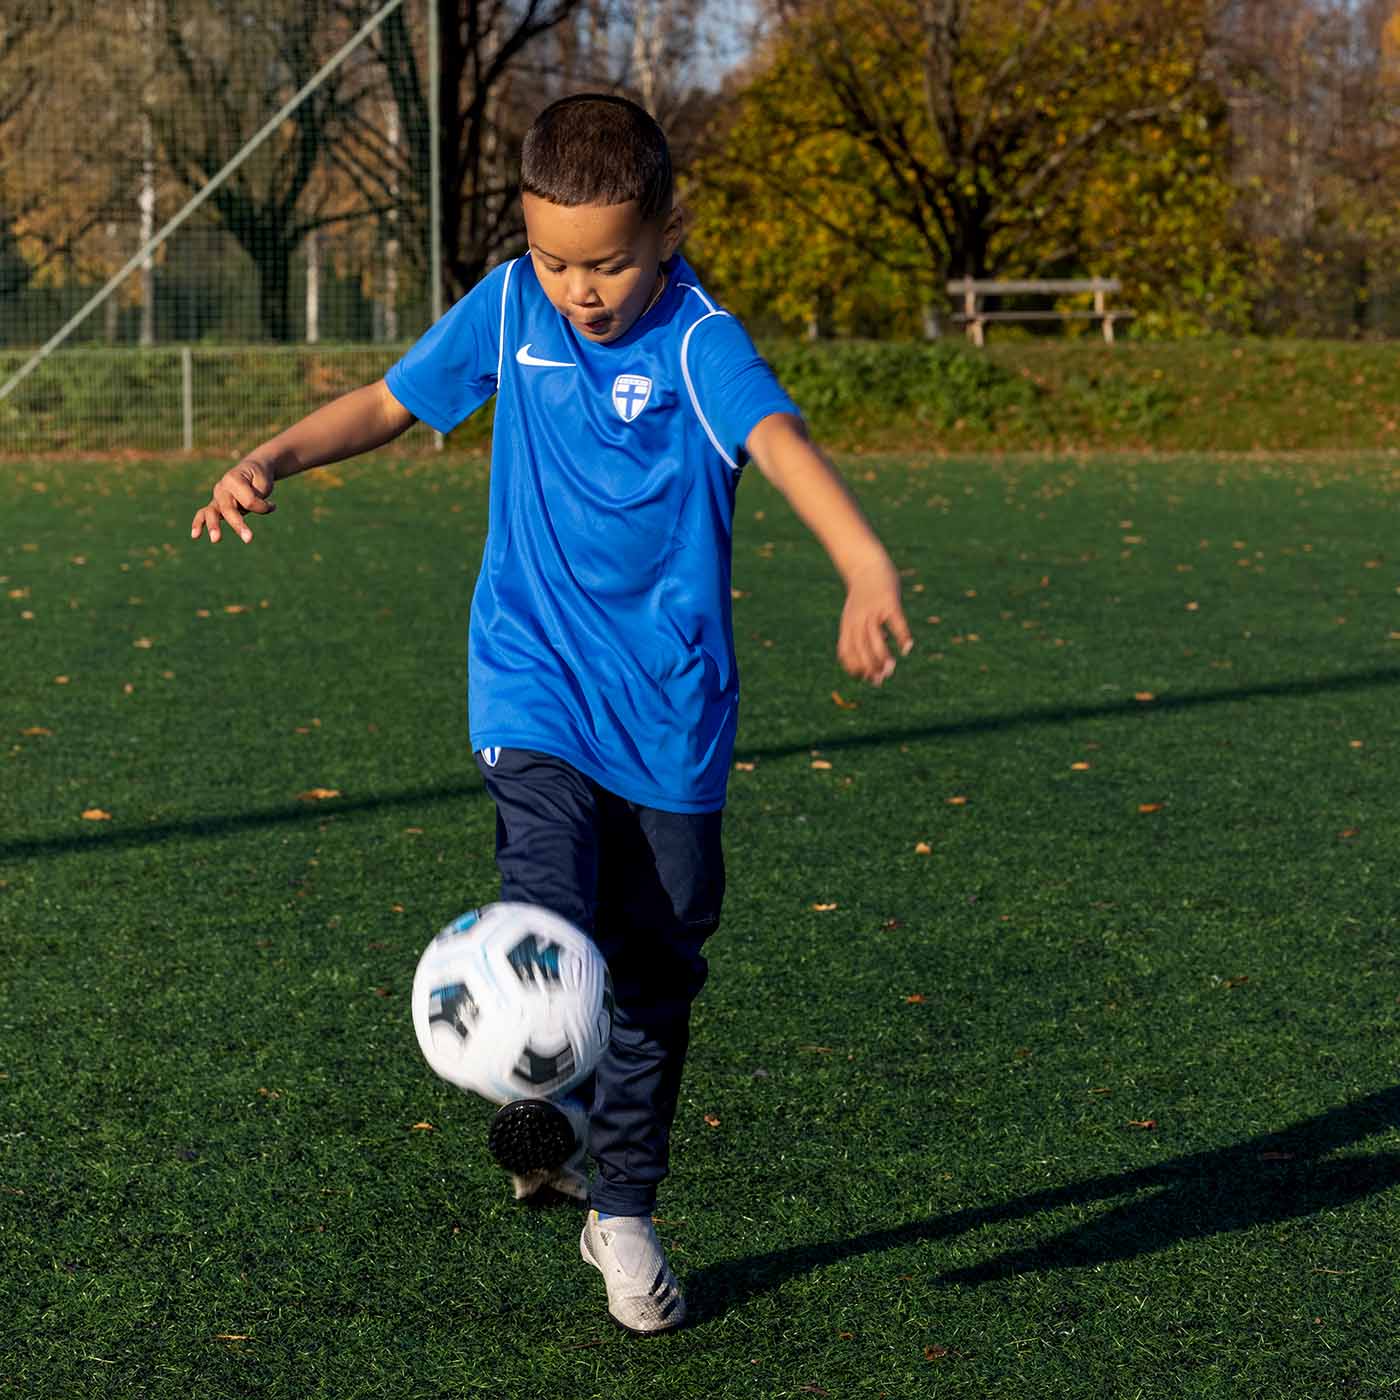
x=598, y=263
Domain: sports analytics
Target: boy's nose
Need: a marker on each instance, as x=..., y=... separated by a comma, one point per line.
x=582, y=292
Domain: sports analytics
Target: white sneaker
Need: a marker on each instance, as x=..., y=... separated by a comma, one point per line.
x=570, y=1180
x=643, y=1295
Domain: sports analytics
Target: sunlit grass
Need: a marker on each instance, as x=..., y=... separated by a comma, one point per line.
x=1050, y=1044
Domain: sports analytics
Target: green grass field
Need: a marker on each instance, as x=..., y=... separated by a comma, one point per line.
x=1052, y=1037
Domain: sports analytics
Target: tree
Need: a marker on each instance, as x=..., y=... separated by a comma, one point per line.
x=481, y=45
x=1314, y=87
x=68, y=153
x=235, y=65
x=978, y=130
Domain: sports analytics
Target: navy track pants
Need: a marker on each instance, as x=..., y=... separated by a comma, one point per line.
x=647, y=886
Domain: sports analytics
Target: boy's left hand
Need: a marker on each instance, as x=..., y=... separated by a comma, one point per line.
x=873, y=608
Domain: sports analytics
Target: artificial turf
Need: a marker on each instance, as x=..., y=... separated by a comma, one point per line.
x=1052, y=1036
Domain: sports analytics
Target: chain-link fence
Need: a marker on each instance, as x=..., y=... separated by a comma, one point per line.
x=181, y=180
x=288, y=139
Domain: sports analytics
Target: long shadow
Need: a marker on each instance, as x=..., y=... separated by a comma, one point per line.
x=284, y=814
x=1107, y=709
x=1273, y=1177
x=110, y=840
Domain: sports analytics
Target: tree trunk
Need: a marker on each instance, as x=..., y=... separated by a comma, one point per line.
x=273, y=257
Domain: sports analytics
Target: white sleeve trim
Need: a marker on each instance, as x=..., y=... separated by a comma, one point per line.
x=690, y=383
x=501, y=352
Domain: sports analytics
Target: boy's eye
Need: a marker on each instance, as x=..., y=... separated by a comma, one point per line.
x=613, y=271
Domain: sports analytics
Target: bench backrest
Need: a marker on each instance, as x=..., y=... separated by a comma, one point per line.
x=1050, y=286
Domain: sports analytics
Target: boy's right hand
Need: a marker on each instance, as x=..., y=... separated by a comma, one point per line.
x=241, y=490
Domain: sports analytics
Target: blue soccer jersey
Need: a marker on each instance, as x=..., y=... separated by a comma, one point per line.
x=600, y=627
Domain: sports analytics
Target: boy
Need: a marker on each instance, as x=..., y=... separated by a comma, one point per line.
x=603, y=694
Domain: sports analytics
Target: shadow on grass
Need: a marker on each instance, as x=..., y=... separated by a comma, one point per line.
x=285, y=814
x=1275, y=1177
x=1106, y=709
x=199, y=827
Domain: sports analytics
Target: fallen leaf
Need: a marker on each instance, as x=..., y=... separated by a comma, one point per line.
x=232, y=1337
x=1148, y=1123
x=1150, y=806
x=318, y=794
x=843, y=704
x=923, y=849
x=823, y=908
x=37, y=731
x=422, y=1128
x=915, y=999
x=235, y=608
x=1081, y=767
x=413, y=831
x=957, y=801
x=712, y=1120
x=60, y=680
x=145, y=643
x=1144, y=697
x=746, y=767
x=934, y=1352
x=820, y=764
x=1348, y=832
x=96, y=814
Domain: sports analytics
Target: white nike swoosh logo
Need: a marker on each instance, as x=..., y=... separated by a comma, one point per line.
x=524, y=357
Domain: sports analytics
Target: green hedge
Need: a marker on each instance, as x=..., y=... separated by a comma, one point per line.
x=1019, y=395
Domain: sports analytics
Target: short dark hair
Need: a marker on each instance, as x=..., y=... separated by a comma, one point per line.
x=594, y=148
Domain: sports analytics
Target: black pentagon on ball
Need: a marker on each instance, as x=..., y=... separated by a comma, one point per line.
x=454, y=1006
x=534, y=959
x=542, y=1071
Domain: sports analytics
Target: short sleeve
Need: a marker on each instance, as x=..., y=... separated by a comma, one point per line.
x=452, y=369
x=731, y=385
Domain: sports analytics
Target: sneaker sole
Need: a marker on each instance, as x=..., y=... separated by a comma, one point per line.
x=531, y=1135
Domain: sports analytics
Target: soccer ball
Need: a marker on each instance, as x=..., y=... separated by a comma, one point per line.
x=511, y=1001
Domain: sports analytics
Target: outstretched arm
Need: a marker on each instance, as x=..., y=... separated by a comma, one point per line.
x=822, y=501
x=356, y=422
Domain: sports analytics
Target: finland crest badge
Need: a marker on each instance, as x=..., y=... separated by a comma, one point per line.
x=630, y=393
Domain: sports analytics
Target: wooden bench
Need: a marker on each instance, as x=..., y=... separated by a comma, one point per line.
x=976, y=317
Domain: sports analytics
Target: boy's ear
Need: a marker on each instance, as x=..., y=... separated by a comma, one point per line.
x=672, y=232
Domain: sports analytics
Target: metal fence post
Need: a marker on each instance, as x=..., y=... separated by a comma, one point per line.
x=187, y=395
